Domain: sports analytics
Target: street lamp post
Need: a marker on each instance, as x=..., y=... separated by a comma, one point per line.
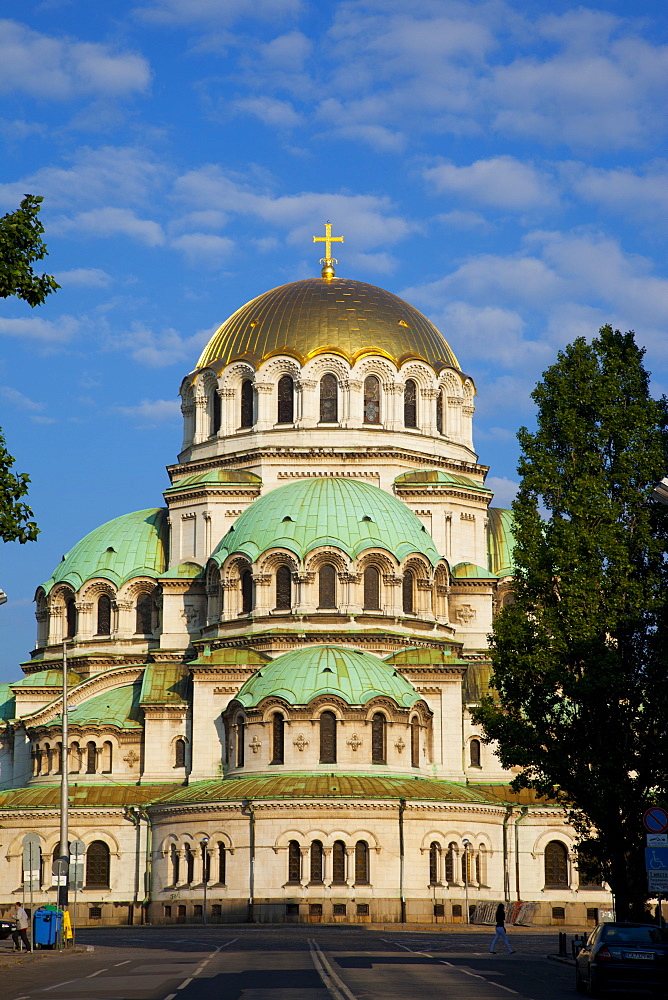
x=205, y=864
x=467, y=844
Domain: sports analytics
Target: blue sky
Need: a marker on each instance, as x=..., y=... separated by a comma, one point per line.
x=501, y=165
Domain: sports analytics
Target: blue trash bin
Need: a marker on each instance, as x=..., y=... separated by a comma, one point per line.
x=47, y=923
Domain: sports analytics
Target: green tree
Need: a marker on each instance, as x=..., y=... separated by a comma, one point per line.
x=580, y=679
x=20, y=245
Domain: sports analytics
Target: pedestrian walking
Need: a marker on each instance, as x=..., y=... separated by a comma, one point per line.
x=500, y=933
x=20, y=935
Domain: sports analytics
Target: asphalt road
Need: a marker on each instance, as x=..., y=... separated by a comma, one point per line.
x=299, y=962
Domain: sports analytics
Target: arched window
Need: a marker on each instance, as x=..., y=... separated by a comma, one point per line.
x=106, y=756
x=371, y=400
x=329, y=400
x=206, y=861
x=556, y=865
x=434, y=863
x=294, y=862
x=415, y=743
x=481, y=865
x=144, y=614
x=439, y=412
x=316, y=861
x=474, y=750
x=175, y=859
x=407, y=588
x=378, y=723
x=339, y=863
x=450, y=859
x=410, y=403
x=180, y=753
x=246, y=403
x=371, y=589
x=246, y=592
x=91, y=758
x=241, y=740
x=215, y=413
x=58, y=750
x=327, y=586
x=286, y=400
x=278, y=738
x=47, y=758
x=103, y=615
x=283, y=588
x=361, y=863
x=97, y=865
x=70, y=618
x=222, y=862
x=328, y=738
x=190, y=864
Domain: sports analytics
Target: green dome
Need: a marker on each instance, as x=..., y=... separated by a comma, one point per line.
x=436, y=477
x=500, y=540
x=469, y=571
x=48, y=678
x=344, y=513
x=304, y=674
x=215, y=477
x=118, y=708
x=129, y=546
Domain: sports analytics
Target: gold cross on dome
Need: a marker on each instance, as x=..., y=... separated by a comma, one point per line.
x=328, y=239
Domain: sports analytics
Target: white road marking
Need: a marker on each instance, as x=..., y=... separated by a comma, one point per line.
x=94, y=974
x=458, y=968
x=126, y=962
x=57, y=986
x=171, y=996
x=333, y=983
x=186, y=982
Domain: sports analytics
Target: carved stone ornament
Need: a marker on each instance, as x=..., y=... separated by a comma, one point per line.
x=255, y=744
x=301, y=742
x=354, y=742
x=465, y=614
x=191, y=614
x=400, y=745
x=131, y=758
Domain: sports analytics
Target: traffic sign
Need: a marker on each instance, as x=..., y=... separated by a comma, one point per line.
x=656, y=859
x=655, y=820
x=658, y=882
x=76, y=873
x=657, y=839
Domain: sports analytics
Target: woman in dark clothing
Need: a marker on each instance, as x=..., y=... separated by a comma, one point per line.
x=500, y=933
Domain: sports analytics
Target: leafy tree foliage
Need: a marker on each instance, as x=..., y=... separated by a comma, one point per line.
x=581, y=657
x=20, y=245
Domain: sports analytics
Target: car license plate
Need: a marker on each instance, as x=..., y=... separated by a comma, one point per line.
x=640, y=956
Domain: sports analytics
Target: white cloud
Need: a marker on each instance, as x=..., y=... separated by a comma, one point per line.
x=504, y=490
x=150, y=412
x=157, y=349
x=58, y=331
x=204, y=248
x=642, y=195
x=215, y=11
x=278, y=114
x=59, y=69
x=17, y=398
x=501, y=181
x=83, y=277
x=113, y=222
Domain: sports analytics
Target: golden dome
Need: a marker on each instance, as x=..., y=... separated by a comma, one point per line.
x=334, y=315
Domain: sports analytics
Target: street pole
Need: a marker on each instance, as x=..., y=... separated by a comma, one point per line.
x=64, y=791
x=466, y=877
x=205, y=862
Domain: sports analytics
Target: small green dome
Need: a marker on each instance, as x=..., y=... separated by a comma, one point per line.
x=129, y=546
x=183, y=571
x=304, y=674
x=215, y=477
x=469, y=571
x=343, y=513
x=437, y=477
x=48, y=678
x=118, y=708
x=500, y=540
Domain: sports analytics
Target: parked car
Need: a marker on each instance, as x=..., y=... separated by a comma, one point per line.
x=6, y=928
x=623, y=956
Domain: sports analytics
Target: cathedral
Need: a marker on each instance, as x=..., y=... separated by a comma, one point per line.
x=270, y=677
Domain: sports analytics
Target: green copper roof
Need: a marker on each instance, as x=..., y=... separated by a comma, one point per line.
x=7, y=703
x=184, y=571
x=165, y=684
x=436, y=477
x=85, y=796
x=416, y=656
x=327, y=786
x=215, y=477
x=469, y=571
x=129, y=546
x=230, y=657
x=304, y=674
x=349, y=515
x=48, y=678
x=500, y=540
x=119, y=708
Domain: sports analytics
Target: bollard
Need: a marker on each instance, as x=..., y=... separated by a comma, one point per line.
x=562, y=945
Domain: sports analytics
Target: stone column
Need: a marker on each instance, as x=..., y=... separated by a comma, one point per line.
x=391, y=415
x=264, y=395
x=201, y=418
x=229, y=419
x=303, y=602
x=427, y=418
x=307, y=403
x=355, y=410
x=351, y=596
x=392, y=594
x=263, y=593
